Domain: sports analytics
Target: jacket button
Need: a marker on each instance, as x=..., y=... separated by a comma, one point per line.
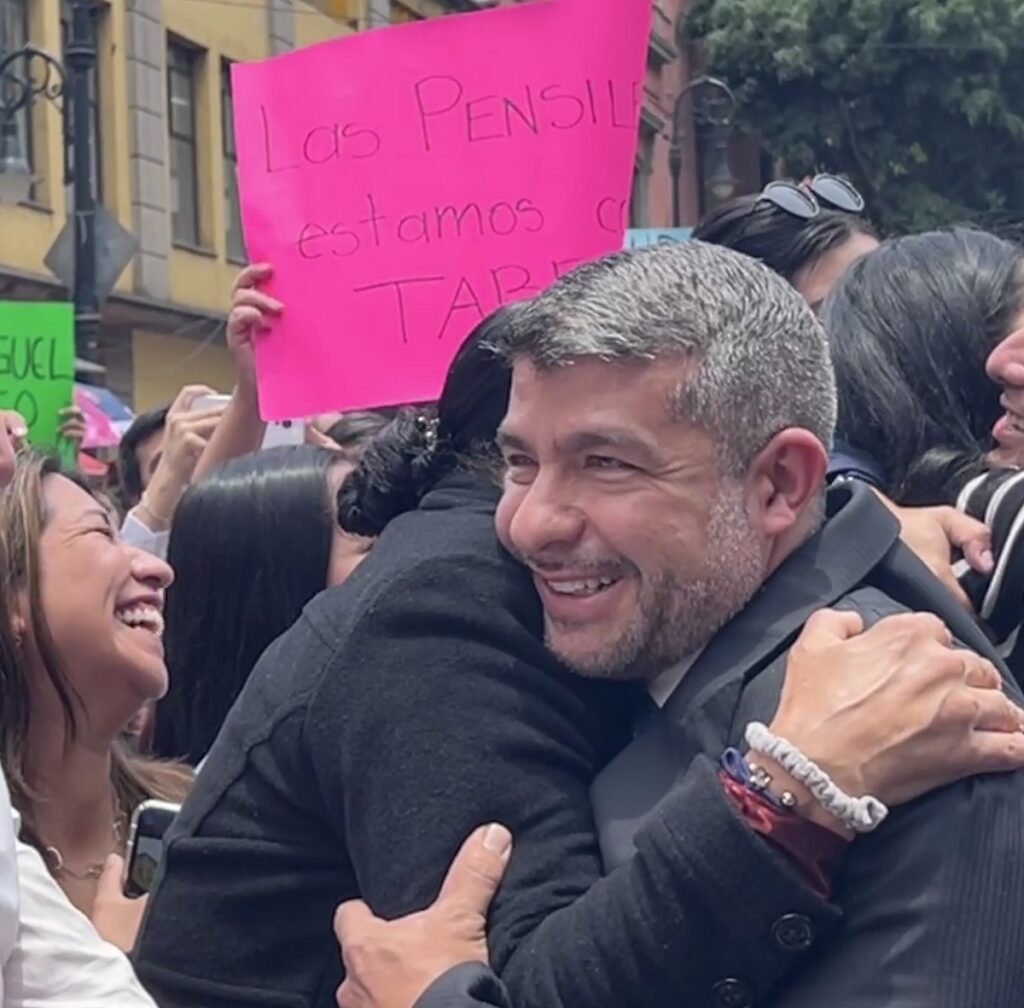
x=732, y=994
x=793, y=933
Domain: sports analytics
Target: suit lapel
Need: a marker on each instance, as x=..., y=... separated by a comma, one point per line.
x=858, y=534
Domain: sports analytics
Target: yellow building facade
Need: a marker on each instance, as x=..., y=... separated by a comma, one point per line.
x=165, y=166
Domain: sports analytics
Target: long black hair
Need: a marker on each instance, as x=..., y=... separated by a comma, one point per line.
x=782, y=241
x=418, y=447
x=910, y=328
x=250, y=546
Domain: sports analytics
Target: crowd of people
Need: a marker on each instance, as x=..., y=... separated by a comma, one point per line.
x=670, y=657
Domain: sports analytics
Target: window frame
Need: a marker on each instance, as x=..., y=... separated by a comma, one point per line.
x=177, y=48
x=234, y=236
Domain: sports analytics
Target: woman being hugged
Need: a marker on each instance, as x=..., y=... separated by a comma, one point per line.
x=80, y=654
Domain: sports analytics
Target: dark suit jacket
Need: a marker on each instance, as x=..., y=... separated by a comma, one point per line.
x=933, y=900
x=468, y=986
x=405, y=708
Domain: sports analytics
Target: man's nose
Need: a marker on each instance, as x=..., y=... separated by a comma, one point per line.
x=548, y=515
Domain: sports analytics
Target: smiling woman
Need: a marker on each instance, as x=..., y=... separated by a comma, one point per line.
x=80, y=653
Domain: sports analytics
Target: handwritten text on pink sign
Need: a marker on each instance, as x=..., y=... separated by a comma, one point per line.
x=404, y=183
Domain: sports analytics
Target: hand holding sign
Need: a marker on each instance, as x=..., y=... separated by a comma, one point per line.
x=250, y=313
x=399, y=208
x=37, y=360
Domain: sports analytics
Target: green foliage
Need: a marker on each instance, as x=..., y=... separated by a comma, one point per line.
x=920, y=102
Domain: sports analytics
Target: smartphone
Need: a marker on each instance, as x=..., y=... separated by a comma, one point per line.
x=146, y=845
x=284, y=432
x=279, y=432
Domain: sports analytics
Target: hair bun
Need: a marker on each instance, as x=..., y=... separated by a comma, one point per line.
x=392, y=476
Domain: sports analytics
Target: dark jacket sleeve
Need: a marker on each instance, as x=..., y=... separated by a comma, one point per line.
x=463, y=987
x=933, y=907
x=931, y=900
x=448, y=726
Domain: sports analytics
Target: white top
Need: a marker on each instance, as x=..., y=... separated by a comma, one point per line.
x=136, y=533
x=52, y=956
x=8, y=885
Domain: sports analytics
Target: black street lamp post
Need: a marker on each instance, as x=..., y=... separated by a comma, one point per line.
x=713, y=106
x=30, y=73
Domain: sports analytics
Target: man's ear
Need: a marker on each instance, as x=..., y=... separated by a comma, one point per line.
x=786, y=478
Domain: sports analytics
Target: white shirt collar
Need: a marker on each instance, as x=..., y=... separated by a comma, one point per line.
x=664, y=685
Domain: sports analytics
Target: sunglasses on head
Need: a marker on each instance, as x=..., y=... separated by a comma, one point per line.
x=805, y=200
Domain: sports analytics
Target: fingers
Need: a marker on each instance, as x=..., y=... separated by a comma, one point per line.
x=242, y=321
x=477, y=871
x=252, y=275
x=321, y=440
x=249, y=298
x=980, y=673
x=351, y=917
x=196, y=418
x=827, y=626
x=973, y=538
x=187, y=396
x=112, y=879
x=996, y=712
x=995, y=752
x=15, y=425
x=914, y=626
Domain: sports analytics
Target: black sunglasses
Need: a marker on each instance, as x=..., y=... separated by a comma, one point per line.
x=805, y=201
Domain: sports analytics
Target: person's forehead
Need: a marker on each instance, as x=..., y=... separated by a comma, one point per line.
x=598, y=381
x=67, y=502
x=592, y=402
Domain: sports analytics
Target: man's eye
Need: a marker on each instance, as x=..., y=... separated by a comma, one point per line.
x=606, y=462
x=518, y=461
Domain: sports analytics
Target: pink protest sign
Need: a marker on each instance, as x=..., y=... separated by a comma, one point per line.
x=406, y=182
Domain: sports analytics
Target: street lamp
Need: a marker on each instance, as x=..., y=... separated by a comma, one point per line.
x=30, y=73
x=713, y=106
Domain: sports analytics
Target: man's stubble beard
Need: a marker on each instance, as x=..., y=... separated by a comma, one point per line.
x=675, y=618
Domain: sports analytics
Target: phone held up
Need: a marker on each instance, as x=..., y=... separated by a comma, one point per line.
x=279, y=432
x=146, y=845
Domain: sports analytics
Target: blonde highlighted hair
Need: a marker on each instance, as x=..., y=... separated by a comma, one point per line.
x=23, y=517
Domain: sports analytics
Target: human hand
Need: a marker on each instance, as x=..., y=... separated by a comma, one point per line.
x=72, y=425
x=115, y=916
x=250, y=310
x=895, y=711
x=934, y=533
x=389, y=964
x=187, y=432
x=13, y=432
x=313, y=436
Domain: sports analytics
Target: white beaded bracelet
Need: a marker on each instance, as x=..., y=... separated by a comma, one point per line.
x=862, y=815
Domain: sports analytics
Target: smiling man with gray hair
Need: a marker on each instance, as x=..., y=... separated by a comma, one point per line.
x=666, y=447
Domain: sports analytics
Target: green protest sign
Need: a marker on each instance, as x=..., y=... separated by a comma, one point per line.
x=37, y=366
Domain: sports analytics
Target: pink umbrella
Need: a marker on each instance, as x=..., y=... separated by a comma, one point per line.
x=99, y=431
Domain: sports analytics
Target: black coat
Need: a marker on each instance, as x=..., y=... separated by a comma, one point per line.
x=405, y=708
x=933, y=899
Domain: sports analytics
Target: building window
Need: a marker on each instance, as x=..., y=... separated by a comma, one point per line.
x=232, y=208
x=402, y=13
x=639, y=202
x=16, y=141
x=182, y=67
x=94, y=99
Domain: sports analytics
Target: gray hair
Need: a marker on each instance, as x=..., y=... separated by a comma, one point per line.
x=761, y=357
